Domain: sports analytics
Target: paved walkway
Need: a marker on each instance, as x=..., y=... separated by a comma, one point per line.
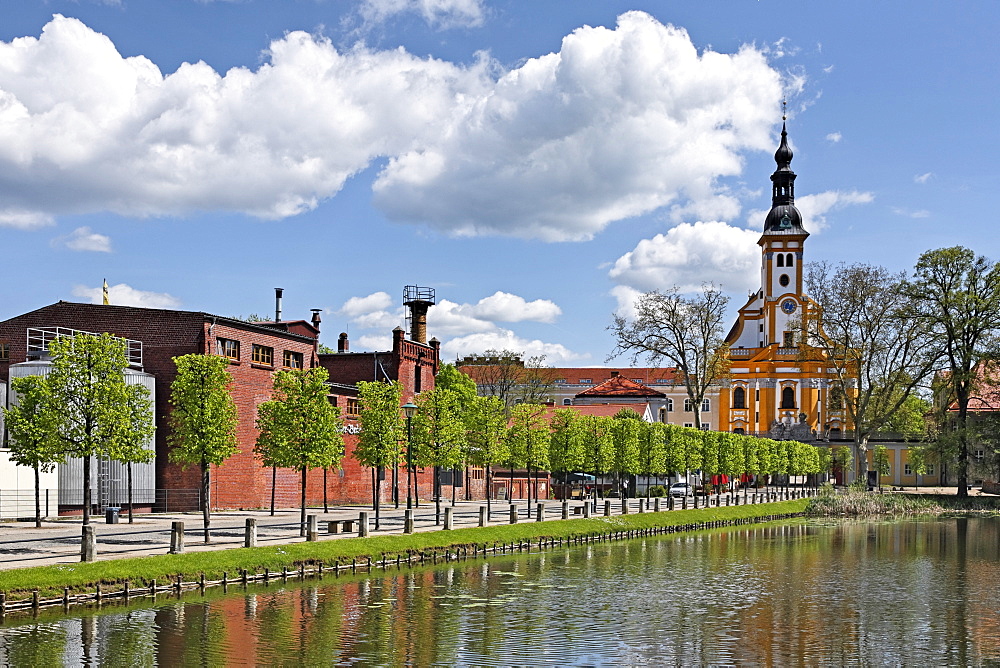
x=58, y=541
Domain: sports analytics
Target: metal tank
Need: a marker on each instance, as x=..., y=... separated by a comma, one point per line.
x=109, y=481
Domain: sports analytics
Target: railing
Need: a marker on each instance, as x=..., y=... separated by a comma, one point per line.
x=39, y=339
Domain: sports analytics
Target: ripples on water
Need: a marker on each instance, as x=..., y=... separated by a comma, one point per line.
x=816, y=594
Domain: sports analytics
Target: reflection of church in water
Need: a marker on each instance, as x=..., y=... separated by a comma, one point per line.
x=779, y=387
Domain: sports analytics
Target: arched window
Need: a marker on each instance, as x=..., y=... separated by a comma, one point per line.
x=781, y=259
x=788, y=397
x=739, y=430
x=788, y=260
x=739, y=398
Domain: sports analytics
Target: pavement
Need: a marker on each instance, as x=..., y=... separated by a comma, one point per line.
x=58, y=540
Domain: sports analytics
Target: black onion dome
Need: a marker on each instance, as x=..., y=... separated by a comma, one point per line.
x=784, y=218
x=783, y=156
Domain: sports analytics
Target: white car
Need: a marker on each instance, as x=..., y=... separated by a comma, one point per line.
x=680, y=489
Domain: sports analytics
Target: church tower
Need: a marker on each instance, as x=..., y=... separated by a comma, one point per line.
x=778, y=384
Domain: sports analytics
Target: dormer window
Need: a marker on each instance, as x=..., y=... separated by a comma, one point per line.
x=786, y=223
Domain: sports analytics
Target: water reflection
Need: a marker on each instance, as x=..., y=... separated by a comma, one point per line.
x=817, y=593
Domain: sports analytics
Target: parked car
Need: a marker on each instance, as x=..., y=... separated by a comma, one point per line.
x=680, y=489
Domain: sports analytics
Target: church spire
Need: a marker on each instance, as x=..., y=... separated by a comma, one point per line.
x=783, y=217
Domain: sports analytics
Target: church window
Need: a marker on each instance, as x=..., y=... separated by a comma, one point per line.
x=781, y=259
x=788, y=397
x=789, y=340
x=836, y=398
x=788, y=260
x=739, y=398
x=783, y=280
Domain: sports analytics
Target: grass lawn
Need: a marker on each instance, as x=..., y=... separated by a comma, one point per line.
x=139, y=572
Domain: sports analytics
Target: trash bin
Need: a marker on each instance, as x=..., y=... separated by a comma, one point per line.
x=111, y=514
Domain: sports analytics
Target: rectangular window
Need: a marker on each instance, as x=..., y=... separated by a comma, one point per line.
x=670, y=405
x=706, y=405
x=291, y=360
x=689, y=424
x=637, y=380
x=980, y=455
x=4, y=352
x=661, y=381
x=930, y=469
x=262, y=355
x=560, y=381
x=417, y=380
x=688, y=407
x=907, y=469
x=756, y=395
x=760, y=328
x=789, y=340
x=705, y=427
x=229, y=348
x=585, y=381
x=567, y=402
x=353, y=407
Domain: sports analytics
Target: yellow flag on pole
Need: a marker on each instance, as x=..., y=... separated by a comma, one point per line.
x=106, y=300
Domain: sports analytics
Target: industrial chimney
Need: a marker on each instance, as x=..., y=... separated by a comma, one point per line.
x=343, y=345
x=418, y=300
x=277, y=303
x=316, y=320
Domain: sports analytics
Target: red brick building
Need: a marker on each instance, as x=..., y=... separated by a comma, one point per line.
x=256, y=350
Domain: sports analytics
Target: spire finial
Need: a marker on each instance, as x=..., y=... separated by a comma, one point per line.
x=784, y=109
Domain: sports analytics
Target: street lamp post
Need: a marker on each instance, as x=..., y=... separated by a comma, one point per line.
x=409, y=409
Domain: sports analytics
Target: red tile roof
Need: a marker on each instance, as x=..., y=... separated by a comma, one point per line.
x=600, y=410
x=616, y=386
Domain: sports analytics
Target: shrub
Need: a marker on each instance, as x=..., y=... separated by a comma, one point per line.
x=657, y=490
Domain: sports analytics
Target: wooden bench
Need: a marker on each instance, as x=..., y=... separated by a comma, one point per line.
x=336, y=526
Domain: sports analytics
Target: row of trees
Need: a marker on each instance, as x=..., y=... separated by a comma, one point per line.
x=887, y=337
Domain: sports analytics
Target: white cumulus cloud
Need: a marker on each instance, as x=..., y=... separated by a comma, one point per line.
x=377, y=301
x=619, y=122
x=555, y=354
x=814, y=208
x=125, y=295
x=688, y=256
x=437, y=13
x=505, y=307
x=84, y=239
x=834, y=137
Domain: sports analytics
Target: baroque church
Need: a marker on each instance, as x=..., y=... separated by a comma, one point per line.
x=779, y=385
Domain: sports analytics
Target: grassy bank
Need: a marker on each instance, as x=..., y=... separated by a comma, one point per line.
x=51, y=580
x=860, y=503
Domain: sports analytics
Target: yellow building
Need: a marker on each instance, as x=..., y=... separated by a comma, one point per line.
x=779, y=386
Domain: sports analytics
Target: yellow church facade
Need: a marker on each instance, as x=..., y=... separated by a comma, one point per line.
x=778, y=385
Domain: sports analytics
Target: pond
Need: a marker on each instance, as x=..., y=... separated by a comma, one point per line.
x=819, y=593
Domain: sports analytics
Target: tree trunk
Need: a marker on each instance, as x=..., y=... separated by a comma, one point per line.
x=302, y=505
x=378, y=496
x=206, y=504
x=128, y=468
x=489, y=490
x=395, y=484
x=274, y=484
x=38, y=498
x=437, y=495
x=454, y=475
x=963, y=445
x=326, y=507
x=86, y=490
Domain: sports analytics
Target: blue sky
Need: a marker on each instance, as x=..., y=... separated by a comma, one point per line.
x=539, y=164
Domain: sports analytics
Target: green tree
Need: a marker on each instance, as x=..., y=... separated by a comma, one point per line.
x=566, y=447
x=449, y=377
x=133, y=447
x=87, y=389
x=529, y=440
x=438, y=435
x=487, y=438
x=382, y=431
x=685, y=332
x=202, y=419
x=877, y=352
x=30, y=428
x=957, y=296
x=653, y=451
x=626, y=430
x=880, y=462
x=299, y=427
x=842, y=459
x=599, y=447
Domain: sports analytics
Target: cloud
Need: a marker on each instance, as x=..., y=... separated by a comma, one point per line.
x=25, y=220
x=504, y=339
x=815, y=207
x=83, y=129
x=688, y=256
x=834, y=137
x=125, y=295
x=471, y=327
x=911, y=213
x=923, y=178
x=437, y=13
x=83, y=239
x=618, y=123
